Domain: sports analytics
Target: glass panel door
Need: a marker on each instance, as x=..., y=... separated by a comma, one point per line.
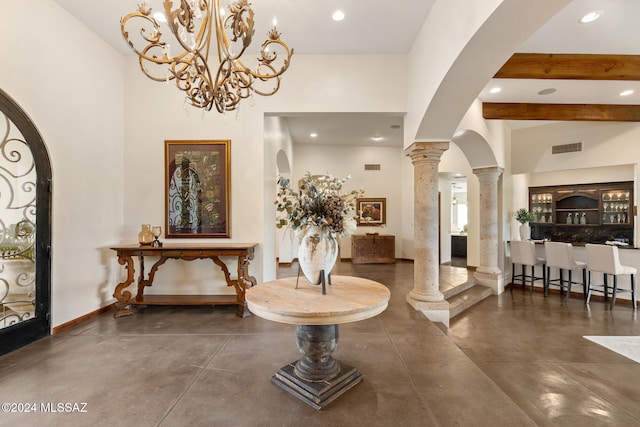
x=17, y=227
x=25, y=229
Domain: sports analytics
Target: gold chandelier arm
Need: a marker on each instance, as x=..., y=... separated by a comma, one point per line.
x=191, y=24
x=182, y=22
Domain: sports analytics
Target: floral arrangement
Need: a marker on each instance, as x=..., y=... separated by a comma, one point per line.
x=319, y=202
x=524, y=216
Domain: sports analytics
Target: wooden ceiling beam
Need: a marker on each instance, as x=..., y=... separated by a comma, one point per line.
x=571, y=66
x=561, y=112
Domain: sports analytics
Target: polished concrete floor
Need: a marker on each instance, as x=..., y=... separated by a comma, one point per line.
x=511, y=360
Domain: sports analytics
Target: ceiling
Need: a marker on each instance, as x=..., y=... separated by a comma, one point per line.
x=310, y=30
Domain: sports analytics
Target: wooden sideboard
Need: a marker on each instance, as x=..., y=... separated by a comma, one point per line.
x=373, y=249
x=125, y=299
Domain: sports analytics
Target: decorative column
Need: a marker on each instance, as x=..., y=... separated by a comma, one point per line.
x=426, y=295
x=488, y=272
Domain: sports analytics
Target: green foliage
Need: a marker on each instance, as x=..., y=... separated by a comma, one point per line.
x=524, y=216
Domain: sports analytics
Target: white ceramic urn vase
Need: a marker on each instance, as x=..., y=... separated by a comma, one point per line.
x=317, y=251
x=525, y=231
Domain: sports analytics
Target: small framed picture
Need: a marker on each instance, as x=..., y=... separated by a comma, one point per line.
x=197, y=189
x=372, y=211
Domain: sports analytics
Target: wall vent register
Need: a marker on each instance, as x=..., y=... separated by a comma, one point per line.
x=566, y=148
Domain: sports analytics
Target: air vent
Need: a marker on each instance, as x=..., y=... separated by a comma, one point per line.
x=566, y=148
x=372, y=167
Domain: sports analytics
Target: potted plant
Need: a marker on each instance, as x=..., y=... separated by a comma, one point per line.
x=318, y=214
x=524, y=217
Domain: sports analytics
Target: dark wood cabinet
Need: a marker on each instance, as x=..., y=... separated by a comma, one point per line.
x=583, y=213
x=373, y=249
x=459, y=246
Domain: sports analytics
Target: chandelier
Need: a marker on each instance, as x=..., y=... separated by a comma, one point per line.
x=192, y=24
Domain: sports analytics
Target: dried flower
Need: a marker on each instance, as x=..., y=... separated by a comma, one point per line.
x=319, y=202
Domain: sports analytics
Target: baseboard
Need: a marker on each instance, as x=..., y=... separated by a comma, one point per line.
x=74, y=322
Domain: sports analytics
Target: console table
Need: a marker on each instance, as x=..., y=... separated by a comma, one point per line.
x=317, y=378
x=373, y=249
x=187, y=252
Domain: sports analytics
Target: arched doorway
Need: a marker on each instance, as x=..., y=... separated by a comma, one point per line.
x=25, y=229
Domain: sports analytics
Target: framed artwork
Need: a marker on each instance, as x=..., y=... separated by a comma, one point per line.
x=197, y=188
x=372, y=211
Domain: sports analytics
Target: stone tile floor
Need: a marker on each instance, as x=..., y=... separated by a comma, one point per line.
x=511, y=360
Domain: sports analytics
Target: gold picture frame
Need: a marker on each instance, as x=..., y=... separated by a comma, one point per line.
x=372, y=211
x=197, y=189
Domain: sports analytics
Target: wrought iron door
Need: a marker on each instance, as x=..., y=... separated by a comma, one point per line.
x=25, y=229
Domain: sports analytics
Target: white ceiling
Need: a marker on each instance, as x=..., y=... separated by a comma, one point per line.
x=383, y=27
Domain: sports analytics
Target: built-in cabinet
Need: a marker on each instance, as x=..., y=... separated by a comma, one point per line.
x=584, y=213
x=459, y=246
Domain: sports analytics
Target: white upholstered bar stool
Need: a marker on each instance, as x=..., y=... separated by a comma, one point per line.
x=523, y=252
x=605, y=259
x=560, y=255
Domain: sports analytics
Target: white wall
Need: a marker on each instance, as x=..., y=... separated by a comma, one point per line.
x=70, y=84
x=278, y=161
x=603, y=144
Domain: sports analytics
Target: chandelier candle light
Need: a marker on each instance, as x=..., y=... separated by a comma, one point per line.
x=192, y=25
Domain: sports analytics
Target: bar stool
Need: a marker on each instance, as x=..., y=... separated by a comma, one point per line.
x=605, y=259
x=560, y=255
x=523, y=252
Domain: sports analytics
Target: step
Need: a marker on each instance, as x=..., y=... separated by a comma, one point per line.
x=467, y=298
x=450, y=290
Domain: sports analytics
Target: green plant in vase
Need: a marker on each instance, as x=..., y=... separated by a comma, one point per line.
x=524, y=217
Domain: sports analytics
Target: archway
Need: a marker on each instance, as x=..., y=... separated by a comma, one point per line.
x=25, y=239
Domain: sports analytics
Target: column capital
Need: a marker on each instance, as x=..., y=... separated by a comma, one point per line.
x=426, y=150
x=490, y=172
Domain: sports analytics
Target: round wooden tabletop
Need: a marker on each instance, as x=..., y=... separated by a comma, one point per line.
x=348, y=299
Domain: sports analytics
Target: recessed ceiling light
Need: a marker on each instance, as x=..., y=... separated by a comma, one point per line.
x=395, y=126
x=626, y=92
x=313, y=135
x=338, y=15
x=591, y=16
x=547, y=91
x=377, y=138
x=495, y=90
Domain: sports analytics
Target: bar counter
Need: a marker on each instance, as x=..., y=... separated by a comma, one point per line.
x=629, y=255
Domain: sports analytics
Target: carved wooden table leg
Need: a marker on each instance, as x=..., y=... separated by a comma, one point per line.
x=317, y=378
x=123, y=308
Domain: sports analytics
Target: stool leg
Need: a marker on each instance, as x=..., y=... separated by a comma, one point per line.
x=584, y=284
x=533, y=274
x=615, y=290
x=633, y=290
x=513, y=276
x=524, y=278
x=546, y=282
x=569, y=286
x=606, y=287
x=588, y=296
